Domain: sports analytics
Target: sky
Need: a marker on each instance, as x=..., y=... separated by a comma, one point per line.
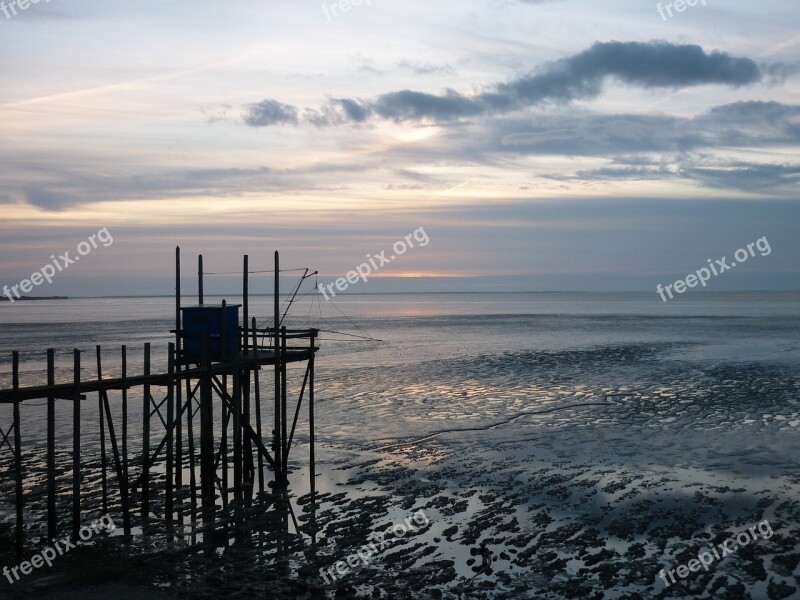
x=540, y=145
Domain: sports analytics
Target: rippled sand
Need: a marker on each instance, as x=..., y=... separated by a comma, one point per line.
x=561, y=473
x=629, y=460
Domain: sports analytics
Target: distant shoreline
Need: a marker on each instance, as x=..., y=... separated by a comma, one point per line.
x=436, y=293
x=34, y=298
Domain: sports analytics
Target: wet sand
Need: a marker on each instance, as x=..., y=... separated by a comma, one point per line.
x=565, y=474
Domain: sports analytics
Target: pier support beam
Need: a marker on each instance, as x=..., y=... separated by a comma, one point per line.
x=76, y=445
x=52, y=527
x=277, y=443
x=168, y=492
x=207, y=470
x=20, y=530
x=147, y=401
x=312, y=462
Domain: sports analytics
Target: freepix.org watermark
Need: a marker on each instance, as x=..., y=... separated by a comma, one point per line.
x=59, y=548
x=379, y=542
x=364, y=270
x=10, y=7
x=717, y=267
x=330, y=10
x=678, y=5
x=706, y=558
x=47, y=272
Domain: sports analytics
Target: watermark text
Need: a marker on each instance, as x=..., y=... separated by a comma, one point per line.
x=59, y=548
x=706, y=558
x=375, y=263
x=379, y=540
x=717, y=267
x=60, y=263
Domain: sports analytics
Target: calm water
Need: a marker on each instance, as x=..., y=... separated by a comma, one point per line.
x=396, y=344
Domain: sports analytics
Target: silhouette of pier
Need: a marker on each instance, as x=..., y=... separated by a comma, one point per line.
x=190, y=467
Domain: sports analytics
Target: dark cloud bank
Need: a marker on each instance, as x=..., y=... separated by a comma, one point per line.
x=581, y=76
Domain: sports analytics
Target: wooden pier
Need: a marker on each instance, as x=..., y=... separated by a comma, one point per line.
x=213, y=364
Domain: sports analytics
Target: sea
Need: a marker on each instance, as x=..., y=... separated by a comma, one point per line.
x=580, y=441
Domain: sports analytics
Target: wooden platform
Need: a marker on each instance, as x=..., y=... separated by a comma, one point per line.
x=68, y=391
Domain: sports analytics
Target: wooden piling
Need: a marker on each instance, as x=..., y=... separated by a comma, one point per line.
x=257, y=401
x=236, y=406
x=20, y=500
x=311, y=457
x=276, y=433
x=178, y=431
x=200, y=279
x=206, y=439
x=245, y=304
x=223, y=443
x=168, y=492
x=223, y=343
x=124, y=484
x=178, y=367
x=76, y=444
x=103, y=462
x=115, y=448
x=52, y=524
x=248, y=467
x=284, y=411
x=243, y=342
x=146, y=440
x=190, y=400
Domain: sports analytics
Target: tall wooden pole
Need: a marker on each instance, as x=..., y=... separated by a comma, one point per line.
x=125, y=483
x=207, y=470
x=146, y=401
x=177, y=394
x=190, y=401
x=257, y=401
x=171, y=385
x=223, y=442
x=311, y=457
x=245, y=337
x=103, y=460
x=276, y=341
x=284, y=409
x=51, y=448
x=178, y=298
x=244, y=340
x=76, y=445
x=20, y=537
x=236, y=403
x=200, y=279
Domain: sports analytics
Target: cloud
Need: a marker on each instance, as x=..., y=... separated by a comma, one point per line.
x=407, y=105
x=598, y=135
x=743, y=124
x=777, y=73
x=639, y=146
x=68, y=187
x=581, y=76
x=47, y=199
x=270, y=112
x=634, y=146
x=749, y=177
x=642, y=147
x=217, y=112
x=426, y=68
x=618, y=173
